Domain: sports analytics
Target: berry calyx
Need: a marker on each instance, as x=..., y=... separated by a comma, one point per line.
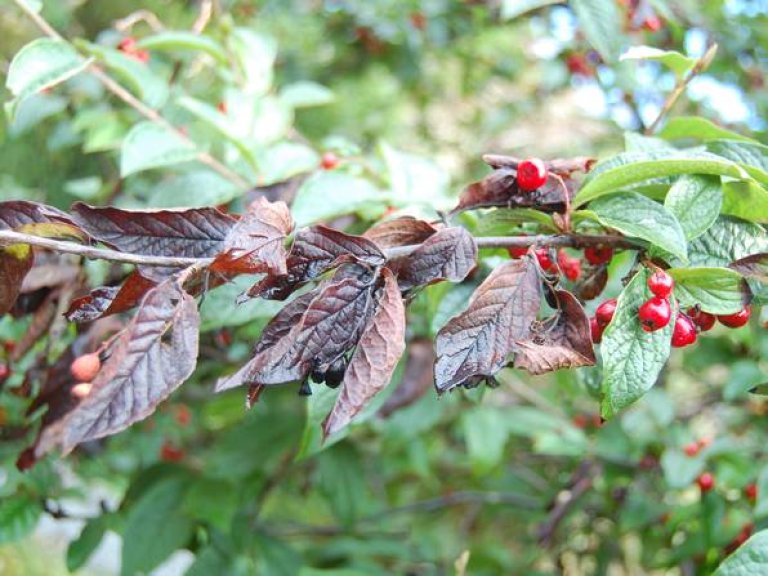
x=532, y=174
x=596, y=330
x=604, y=312
x=704, y=320
x=655, y=314
x=736, y=320
x=84, y=368
x=706, y=482
x=750, y=492
x=569, y=265
x=660, y=284
x=597, y=255
x=691, y=449
x=684, y=333
x=329, y=161
x=542, y=255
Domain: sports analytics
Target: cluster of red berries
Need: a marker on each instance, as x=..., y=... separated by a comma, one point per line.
x=603, y=317
x=128, y=47
x=693, y=448
x=569, y=266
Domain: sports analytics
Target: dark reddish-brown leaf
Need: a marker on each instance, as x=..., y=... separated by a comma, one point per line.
x=193, y=233
x=450, y=254
x=51, y=270
x=417, y=378
x=316, y=250
x=561, y=166
x=402, y=231
x=754, y=266
x=501, y=311
x=593, y=283
x=284, y=191
x=15, y=262
x=146, y=361
x=255, y=243
x=375, y=358
x=567, y=343
x=109, y=300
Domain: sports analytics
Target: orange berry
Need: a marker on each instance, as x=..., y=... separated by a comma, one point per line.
x=84, y=368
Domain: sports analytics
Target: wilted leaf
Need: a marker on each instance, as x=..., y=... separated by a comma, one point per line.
x=147, y=361
x=565, y=344
x=14, y=265
x=402, y=231
x=416, y=380
x=755, y=266
x=449, y=254
x=376, y=355
x=316, y=250
x=478, y=341
x=108, y=300
x=255, y=243
x=592, y=284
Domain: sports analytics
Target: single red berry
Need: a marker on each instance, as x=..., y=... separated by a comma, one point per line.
x=542, y=255
x=580, y=421
x=329, y=161
x=652, y=23
x=750, y=492
x=5, y=371
x=170, y=453
x=604, y=312
x=660, y=284
x=704, y=320
x=84, y=368
x=597, y=255
x=9, y=346
x=691, y=449
x=684, y=333
x=706, y=482
x=517, y=251
x=127, y=44
x=570, y=266
x=578, y=65
x=222, y=107
x=141, y=55
x=532, y=174
x=655, y=314
x=183, y=415
x=418, y=20
x=596, y=330
x=736, y=320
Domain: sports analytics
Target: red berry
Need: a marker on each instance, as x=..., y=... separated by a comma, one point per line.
x=704, y=442
x=170, y=453
x=596, y=330
x=706, y=482
x=704, y=320
x=9, y=346
x=531, y=174
x=4, y=371
x=660, y=284
x=127, y=44
x=84, y=368
x=517, y=251
x=684, y=333
x=604, y=312
x=542, y=255
x=570, y=266
x=141, y=56
x=691, y=449
x=750, y=491
x=652, y=23
x=329, y=161
x=222, y=107
x=580, y=421
x=597, y=255
x=736, y=320
x=578, y=65
x=655, y=314
x=183, y=415
x=418, y=20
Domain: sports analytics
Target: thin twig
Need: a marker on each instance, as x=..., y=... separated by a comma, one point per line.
x=578, y=486
x=129, y=99
x=699, y=67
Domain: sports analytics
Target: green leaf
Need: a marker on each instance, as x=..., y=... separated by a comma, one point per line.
x=486, y=433
x=255, y=55
x=41, y=64
x=696, y=202
x=746, y=200
x=749, y=559
x=81, y=549
x=183, y=40
x=212, y=501
x=635, y=215
x=287, y=159
x=716, y=290
x=306, y=94
x=18, y=517
x=631, y=168
x=503, y=221
x=341, y=480
x=632, y=357
x=681, y=470
x=155, y=527
x=752, y=156
x=678, y=63
x=149, y=145
x=726, y=241
x=415, y=179
x=513, y=8
x=695, y=128
x=318, y=406
x=601, y=22
x=193, y=189
x=138, y=76
x=326, y=195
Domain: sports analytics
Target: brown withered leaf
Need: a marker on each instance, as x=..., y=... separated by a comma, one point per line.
x=316, y=250
x=500, y=189
x=478, y=341
x=192, y=233
x=402, y=231
x=255, y=243
x=561, y=166
x=375, y=358
x=449, y=254
x=15, y=262
x=753, y=266
x=593, y=283
x=417, y=377
x=146, y=361
x=108, y=300
x=565, y=344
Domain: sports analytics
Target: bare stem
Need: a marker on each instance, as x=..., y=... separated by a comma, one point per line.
x=129, y=99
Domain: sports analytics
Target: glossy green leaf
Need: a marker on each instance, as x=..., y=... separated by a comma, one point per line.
x=752, y=156
x=696, y=202
x=678, y=63
x=750, y=559
x=696, y=128
x=18, y=517
x=632, y=357
x=745, y=200
x=328, y=194
x=635, y=215
x=634, y=167
x=305, y=94
x=716, y=290
x=503, y=221
x=150, y=145
x=184, y=40
x=601, y=22
x=193, y=189
x=726, y=241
